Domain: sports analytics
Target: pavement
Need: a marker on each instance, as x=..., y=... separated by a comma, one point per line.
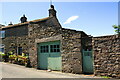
x=8, y=70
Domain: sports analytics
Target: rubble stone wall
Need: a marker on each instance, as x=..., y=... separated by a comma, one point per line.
x=38, y=32
x=16, y=31
x=28, y=36
x=107, y=55
x=71, y=51
x=70, y=48
x=12, y=43
x=86, y=42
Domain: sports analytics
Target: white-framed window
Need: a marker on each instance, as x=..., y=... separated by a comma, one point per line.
x=2, y=48
x=2, y=34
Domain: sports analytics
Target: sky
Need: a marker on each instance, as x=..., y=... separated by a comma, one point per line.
x=94, y=18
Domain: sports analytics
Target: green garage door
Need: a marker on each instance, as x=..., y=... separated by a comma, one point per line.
x=87, y=62
x=49, y=56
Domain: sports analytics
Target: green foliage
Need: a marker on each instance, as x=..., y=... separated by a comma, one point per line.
x=105, y=77
x=23, y=54
x=19, y=59
x=2, y=54
x=117, y=28
x=12, y=56
x=10, y=53
x=3, y=57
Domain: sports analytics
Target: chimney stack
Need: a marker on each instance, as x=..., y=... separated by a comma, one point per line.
x=23, y=19
x=10, y=23
x=52, y=11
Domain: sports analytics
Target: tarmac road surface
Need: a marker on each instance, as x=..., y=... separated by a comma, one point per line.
x=17, y=71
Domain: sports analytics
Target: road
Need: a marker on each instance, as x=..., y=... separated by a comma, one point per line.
x=17, y=71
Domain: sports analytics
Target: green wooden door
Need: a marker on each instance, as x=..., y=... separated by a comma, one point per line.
x=87, y=62
x=43, y=55
x=49, y=56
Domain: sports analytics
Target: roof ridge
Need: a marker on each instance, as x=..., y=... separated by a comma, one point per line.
x=25, y=23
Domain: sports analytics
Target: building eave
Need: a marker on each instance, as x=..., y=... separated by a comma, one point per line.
x=25, y=23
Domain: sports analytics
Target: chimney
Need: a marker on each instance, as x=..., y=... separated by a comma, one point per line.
x=52, y=11
x=23, y=19
x=10, y=23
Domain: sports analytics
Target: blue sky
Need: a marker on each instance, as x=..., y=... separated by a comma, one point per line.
x=94, y=18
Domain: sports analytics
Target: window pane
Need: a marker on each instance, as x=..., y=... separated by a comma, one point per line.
x=47, y=50
x=58, y=50
x=2, y=34
x=41, y=47
x=58, y=46
x=51, y=46
x=54, y=48
x=50, y=50
x=44, y=49
x=1, y=49
x=41, y=51
x=19, y=50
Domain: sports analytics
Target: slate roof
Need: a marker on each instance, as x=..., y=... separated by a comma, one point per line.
x=25, y=23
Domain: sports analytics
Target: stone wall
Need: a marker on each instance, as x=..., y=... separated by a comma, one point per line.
x=107, y=55
x=86, y=41
x=49, y=30
x=71, y=53
x=16, y=31
x=16, y=37
x=70, y=40
x=38, y=32
x=72, y=50
x=12, y=43
x=106, y=48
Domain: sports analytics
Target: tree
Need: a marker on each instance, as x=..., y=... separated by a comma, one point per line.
x=117, y=28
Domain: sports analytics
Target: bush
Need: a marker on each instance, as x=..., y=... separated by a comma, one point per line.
x=13, y=58
x=2, y=55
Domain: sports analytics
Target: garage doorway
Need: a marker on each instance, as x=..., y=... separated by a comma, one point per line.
x=49, y=56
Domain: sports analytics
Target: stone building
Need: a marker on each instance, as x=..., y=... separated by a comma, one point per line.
x=1, y=36
x=52, y=47
x=49, y=45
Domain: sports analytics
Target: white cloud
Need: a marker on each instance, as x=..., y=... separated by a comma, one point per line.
x=72, y=18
